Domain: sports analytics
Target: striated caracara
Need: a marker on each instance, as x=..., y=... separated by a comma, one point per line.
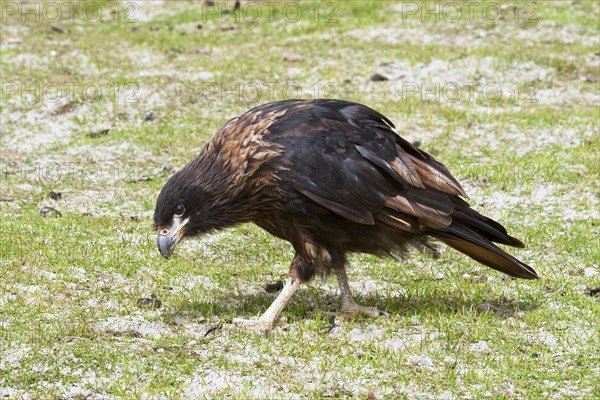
x=330, y=177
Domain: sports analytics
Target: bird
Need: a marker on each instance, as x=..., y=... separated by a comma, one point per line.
x=332, y=178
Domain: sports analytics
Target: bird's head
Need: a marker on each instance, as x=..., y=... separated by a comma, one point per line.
x=180, y=211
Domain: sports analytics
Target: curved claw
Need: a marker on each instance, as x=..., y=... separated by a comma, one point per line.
x=383, y=313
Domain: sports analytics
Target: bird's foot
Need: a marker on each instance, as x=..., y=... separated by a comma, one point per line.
x=353, y=310
x=270, y=319
x=259, y=325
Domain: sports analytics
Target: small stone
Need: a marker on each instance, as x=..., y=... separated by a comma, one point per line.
x=379, y=78
x=65, y=108
x=99, y=133
x=149, y=303
x=58, y=29
x=548, y=339
x=151, y=116
x=480, y=347
x=421, y=361
x=55, y=195
x=47, y=211
x=590, y=271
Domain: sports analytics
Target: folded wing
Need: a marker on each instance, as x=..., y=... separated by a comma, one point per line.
x=348, y=160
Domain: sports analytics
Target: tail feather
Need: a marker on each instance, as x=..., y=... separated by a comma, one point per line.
x=481, y=249
x=485, y=226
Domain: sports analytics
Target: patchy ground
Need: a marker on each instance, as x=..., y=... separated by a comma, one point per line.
x=100, y=106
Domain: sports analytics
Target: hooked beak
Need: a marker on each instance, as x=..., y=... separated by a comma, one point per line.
x=169, y=237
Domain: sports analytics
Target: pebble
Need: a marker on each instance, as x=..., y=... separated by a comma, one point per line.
x=99, y=133
x=149, y=303
x=421, y=361
x=151, y=116
x=47, y=211
x=480, y=347
x=379, y=78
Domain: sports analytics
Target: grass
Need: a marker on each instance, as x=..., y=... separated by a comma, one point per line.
x=70, y=324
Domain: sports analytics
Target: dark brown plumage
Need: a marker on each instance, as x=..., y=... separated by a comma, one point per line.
x=330, y=177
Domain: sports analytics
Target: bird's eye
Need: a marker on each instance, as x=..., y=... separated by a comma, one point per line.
x=179, y=210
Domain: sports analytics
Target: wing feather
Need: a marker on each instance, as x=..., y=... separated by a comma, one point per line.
x=361, y=216
x=437, y=176
x=405, y=167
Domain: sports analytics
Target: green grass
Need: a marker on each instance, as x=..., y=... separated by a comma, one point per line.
x=70, y=325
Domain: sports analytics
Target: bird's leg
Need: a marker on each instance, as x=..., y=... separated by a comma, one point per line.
x=266, y=322
x=349, y=306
